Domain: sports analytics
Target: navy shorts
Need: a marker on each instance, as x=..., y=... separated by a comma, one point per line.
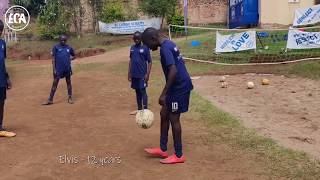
x=138, y=83
x=3, y=93
x=63, y=74
x=178, y=103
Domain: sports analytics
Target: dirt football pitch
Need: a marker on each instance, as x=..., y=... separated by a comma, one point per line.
x=96, y=138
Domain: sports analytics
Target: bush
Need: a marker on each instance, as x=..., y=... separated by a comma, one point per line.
x=176, y=19
x=158, y=8
x=112, y=12
x=52, y=21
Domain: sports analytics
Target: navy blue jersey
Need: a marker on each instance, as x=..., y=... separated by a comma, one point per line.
x=170, y=55
x=3, y=56
x=62, y=56
x=139, y=57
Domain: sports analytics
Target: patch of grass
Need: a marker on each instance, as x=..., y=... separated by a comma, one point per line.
x=269, y=49
x=309, y=70
x=279, y=162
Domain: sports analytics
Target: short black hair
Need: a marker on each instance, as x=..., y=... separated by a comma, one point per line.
x=137, y=34
x=150, y=32
x=63, y=36
x=1, y=26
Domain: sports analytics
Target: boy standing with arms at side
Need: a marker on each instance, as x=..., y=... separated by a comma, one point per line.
x=5, y=84
x=174, y=98
x=62, y=54
x=139, y=71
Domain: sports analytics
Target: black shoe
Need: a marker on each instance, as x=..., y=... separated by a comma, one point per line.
x=47, y=103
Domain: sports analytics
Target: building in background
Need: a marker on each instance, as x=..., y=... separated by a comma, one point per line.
x=281, y=12
x=207, y=11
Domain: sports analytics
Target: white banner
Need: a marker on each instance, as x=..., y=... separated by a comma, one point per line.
x=307, y=16
x=236, y=42
x=303, y=40
x=129, y=27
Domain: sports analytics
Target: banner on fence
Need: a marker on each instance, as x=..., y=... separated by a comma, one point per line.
x=298, y=39
x=236, y=42
x=129, y=27
x=307, y=16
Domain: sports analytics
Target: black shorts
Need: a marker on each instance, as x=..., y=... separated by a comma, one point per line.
x=64, y=74
x=138, y=83
x=3, y=93
x=178, y=103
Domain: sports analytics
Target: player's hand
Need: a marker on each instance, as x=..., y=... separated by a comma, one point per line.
x=146, y=78
x=129, y=78
x=162, y=99
x=9, y=84
x=54, y=73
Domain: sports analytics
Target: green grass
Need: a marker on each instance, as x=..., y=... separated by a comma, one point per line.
x=308, y=70
x=275, y=52
x=278, y=162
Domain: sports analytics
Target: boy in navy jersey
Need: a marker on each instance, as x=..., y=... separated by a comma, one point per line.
x=139, y=71
x=62, y=55
x=174, y=98
x=5, y=84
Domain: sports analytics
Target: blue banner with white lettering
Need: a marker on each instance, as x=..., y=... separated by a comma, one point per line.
x=298, y=39
x=307, y=16
x=236, y=42
x=129, y=27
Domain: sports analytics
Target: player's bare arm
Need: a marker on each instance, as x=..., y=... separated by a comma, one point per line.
x=171, y=78
x=148, y=72
x=129, y=71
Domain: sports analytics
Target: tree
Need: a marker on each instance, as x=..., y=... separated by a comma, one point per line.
x=158, y=8
x=112, y=12
x=33, y=6
x=76, y=13
x=96, y=6
x=52, y=20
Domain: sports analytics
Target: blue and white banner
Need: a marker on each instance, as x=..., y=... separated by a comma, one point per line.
x=298, y=39
x=236, y=42
x=129, y=27
x=307, y=16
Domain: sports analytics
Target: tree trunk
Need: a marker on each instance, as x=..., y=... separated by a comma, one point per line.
x=162, y=19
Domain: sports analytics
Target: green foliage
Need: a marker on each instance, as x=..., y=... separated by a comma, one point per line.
x=158, y=8
x=33, y=6
x=52, y=21
x=112, y=12
x=176, y=19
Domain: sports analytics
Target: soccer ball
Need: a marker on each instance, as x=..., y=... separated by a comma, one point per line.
x=224, y=85
x=144, y=118
x=250, y=85
x=265, y=82
x=223, y=79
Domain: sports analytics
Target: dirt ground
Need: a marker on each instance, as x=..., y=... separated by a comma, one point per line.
x=287, y=110
x=98, y=125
